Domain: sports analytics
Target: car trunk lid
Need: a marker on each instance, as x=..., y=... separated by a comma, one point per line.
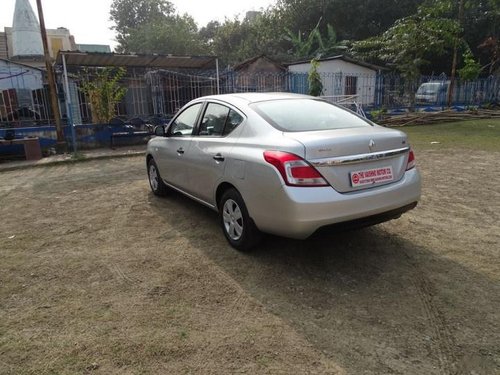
x=357, y=158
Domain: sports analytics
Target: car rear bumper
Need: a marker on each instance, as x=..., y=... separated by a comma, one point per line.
x=298, y=212
x=367, y=221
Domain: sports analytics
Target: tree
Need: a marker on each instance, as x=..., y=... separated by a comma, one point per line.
x=314, y=79
x=353, y=19
x=407, y=43
x=234, y=40
x=282, y=31
x=208, y=32
x=176, y=36
x=315, y=44
x=152, y=26
x=104, y=92
x=491, y=48
x=481, y=22
x=132, y=14
x=230, y=40
x=471, y=68
x=410, y=40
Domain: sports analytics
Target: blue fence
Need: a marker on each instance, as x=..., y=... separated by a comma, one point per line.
x=87, y=136
x=160, y=93
x=374, y=91
x=431, y=92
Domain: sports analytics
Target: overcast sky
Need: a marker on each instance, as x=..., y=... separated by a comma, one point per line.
x=88, y=19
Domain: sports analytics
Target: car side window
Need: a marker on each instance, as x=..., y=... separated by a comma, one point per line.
x=184, y=124
x=232, y=122
x=214, y=120
x=218, y=120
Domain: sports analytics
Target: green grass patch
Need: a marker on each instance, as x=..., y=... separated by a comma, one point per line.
x=77, y=156
x=471, y=134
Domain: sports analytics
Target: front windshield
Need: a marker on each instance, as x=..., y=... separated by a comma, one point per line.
x=298, y=115
x=428, y=88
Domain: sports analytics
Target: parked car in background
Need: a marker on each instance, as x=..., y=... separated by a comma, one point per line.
x=434, y=92
x=284, y=164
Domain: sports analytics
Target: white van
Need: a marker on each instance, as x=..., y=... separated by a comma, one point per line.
x=434, y=92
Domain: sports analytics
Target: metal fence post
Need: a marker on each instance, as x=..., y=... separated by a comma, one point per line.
x=69, y=110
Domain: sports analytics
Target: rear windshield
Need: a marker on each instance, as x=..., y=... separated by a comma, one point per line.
x=298, y=115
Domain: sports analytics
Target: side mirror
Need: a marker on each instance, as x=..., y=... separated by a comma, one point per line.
x=160, y=131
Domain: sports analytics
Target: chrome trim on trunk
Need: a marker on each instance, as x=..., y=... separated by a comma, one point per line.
x=352, y=159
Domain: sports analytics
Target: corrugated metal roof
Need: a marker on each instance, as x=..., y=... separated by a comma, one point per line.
x=76, y=58
x=243, y=64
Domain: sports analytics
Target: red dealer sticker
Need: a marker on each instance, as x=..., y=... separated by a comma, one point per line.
x=371, y=176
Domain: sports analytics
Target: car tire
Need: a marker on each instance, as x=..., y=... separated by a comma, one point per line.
x=157, y=185
x=237, y=226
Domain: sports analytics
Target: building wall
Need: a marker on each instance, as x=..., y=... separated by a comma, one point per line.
x=338, y=79
x=14, y=76
x=58, y=39
x=17, y=83
x=260, y=75
x=102, y=48
x=8, y=36
x=4, y=53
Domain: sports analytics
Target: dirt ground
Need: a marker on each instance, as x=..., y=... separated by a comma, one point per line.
x=99, y=276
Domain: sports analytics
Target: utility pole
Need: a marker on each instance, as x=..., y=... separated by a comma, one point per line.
x=455, y=53
x=61, y=143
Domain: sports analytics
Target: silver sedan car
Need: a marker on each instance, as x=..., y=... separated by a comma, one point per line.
x=283, y=164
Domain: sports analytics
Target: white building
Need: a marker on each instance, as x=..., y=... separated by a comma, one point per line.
x=23, y=41
x=344, y=78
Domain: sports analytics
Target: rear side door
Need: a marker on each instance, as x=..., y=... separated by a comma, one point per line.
x=210, y=150
x=176, y=146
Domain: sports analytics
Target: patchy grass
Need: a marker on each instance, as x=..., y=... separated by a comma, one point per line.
x=77, y=156
x=98, y=276
x=471, y=135
x=100, y=281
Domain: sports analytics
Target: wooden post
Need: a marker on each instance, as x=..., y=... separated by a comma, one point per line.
x=61, y=143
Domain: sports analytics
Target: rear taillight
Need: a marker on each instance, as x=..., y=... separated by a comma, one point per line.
x=411, y=160
x=294, y=170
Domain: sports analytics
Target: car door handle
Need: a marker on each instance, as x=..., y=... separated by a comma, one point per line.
x=218, y=157
x=180, y=151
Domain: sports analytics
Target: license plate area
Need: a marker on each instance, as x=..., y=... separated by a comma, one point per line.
x=371, y=176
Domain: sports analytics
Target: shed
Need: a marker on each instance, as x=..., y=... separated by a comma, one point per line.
x=259, y=73
x=156, y=84
x=344, y=78
x=259, y=64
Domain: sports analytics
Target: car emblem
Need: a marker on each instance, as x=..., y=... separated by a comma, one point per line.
x=371, y=144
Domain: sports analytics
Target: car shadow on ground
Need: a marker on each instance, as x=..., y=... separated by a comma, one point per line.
x=370, y=299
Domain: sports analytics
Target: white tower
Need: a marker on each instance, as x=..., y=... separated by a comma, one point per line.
x=26, y=36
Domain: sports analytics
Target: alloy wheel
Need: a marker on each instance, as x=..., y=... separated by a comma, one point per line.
x=233, y=219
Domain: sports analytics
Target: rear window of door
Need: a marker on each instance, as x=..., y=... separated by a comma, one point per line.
x=219, y=120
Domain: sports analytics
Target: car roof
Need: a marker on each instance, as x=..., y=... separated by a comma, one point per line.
x=435, y=83
x=252, y=97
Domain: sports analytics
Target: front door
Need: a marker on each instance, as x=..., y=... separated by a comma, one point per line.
x=176, y=146
x=210, y=150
